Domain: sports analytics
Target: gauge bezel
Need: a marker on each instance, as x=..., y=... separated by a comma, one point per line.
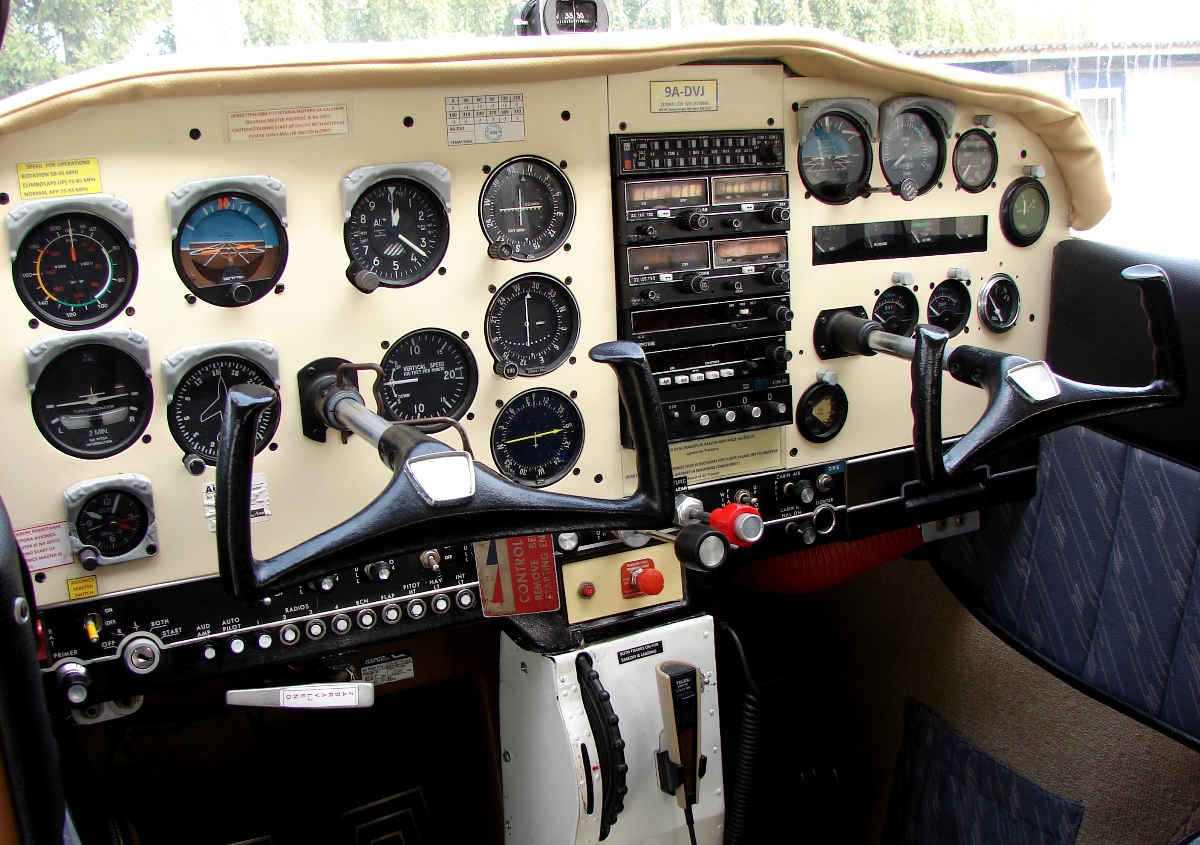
x=459, y=410
x=966, y=317
x=111, y=311
x=991, y=142
x=981, y=299
x=573, y=316
x=869, y=154
x=574, y=454
x=271, y=416
x=934, y=124
x=132, y=544
x=428, y=266
x=1007, y=226
x=912, y=297
x=813, y=394
x=135, y=485
x=568, y=200
x=221, y=295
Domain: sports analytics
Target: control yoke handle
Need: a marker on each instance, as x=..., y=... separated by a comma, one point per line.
x=437, y=495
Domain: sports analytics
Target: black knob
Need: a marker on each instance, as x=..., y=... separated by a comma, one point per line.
x=691, y=283
x=778, y=353
x=779, y=276
x=701, y=419
x=194, y=464
x=777, y=213
x=734, y=223
x=695, y=221
x=240, y=293
x=505, y=369
x=89, y=558
x=701, y=548
x=802, y=490
x=650, y=295
x=365, y=280
x=781, y=313
x=736, y=286
x=501, y=252
x=649, y=233
x=805, y=531
x=753, y=412
x=728, y=415
x=380, y=570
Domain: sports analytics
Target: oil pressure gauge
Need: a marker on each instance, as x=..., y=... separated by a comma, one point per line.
x=111, y=520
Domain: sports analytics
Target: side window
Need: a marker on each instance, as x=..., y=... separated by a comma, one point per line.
x=1102, y=109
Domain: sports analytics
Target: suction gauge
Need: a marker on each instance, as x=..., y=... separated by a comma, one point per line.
x=999, y=303
x=526, y=209
x=975, y=160
x=822, y=411
x=75, y=271
x=397, y=232
x=231, y=249
x=1024, y=211
x=532, y=325
x=949, y=306
x=428, y=373
x=537, y=437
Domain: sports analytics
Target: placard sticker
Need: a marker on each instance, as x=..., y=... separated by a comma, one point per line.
x=67, y=177
x=260, y=501
x=699, y=461
x=299, y=122
x=517, y=575
x=44, y=546
x=683, y=95
x=82, y=588
x=319, y=696
x=485, y=119
x=387, y=668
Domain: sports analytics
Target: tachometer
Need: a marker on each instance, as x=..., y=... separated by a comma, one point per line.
x=897, y=310
x=537, y=437
x=949, y=306
x=835, y=158
x=532, y=325
x=975, y=160
x=398, y=230
x=231, y=249
x=197, y=408
x=912, y=148
x=526, y=205
x=75, y=271
x=428, y=373
x=999, y=303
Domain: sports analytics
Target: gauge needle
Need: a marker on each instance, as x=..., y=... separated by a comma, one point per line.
x=92, y=515
x=217, y=407
x=412, y=246
x=528, y=340
x=995, y=310
x=71, y=237
x=116, y=500
x=396, y=381
x=535, y=436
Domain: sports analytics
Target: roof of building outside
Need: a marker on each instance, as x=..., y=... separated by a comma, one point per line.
x=1011, y=52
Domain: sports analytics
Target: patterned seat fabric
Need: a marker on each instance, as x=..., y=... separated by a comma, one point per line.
x=1097, y=577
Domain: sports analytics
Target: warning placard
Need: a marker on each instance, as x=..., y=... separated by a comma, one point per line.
x=82, y=588
x=68, y=177
x=299, y=122
x=44, y=546
x=517, y=575
x=260, y=501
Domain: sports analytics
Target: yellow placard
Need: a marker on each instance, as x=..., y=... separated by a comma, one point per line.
x=683, y=95
x=82, y=588
x=68, y=177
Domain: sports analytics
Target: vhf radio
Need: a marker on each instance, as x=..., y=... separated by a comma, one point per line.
x=703, y=281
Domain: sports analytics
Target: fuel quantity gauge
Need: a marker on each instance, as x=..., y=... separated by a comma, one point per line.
x=999, y=303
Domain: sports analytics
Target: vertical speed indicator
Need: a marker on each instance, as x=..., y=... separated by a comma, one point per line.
x=428, y=373
x=526, y=205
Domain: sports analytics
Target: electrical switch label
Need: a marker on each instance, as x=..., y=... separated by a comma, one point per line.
x=82, y=588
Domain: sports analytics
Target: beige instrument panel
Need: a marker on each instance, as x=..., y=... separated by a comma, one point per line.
x=146, y=149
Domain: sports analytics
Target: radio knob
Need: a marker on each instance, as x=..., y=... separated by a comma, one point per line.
x=729, y=415
x=778, y=407
x=781, y=314
x=775, y=213
x=734, y=223
x=702, y=420
x=380, y=570
x=779, y=276
x=649, y=233
x=736, y=286
x=694, y=221
x=779, y=354
x=752, y=411
x=772, y=151
x=692, y=283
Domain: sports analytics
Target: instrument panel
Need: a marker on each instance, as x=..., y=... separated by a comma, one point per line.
x=475, y=261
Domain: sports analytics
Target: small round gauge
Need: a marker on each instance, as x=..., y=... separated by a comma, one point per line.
x=92, y=401
x=897, y=310
x=537, y=437
x=197, y=409
x=532, y=325
x=398, y=230
x=999, y=303
x=835, y=158
x=1024, y=211
x=975, y=160
x=822, y=411
x=114, y=522
x=428, y=373
x=231, y=249
x=527, y=203
x=949, y=306
x=912, y=148
x=75, y=271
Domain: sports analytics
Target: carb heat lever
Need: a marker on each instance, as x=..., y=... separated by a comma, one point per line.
x=679, y=688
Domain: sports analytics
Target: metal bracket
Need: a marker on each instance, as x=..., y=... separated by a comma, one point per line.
x=22, y=219
x=433, y=176
x=186, y=196
x=864, y=110
x=42, y=352
x=179, y=362
x=942, y=110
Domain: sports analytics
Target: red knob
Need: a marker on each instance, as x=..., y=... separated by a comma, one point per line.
x=649, y=581
x=742, y=525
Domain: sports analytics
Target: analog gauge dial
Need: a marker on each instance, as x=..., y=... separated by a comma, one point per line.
x=949, y=306
x=1024, y=211
x=428, y=373
x=975, y=160
x=537, y=437
x=835, y=159
x=231, y=249
x=398, y=230
x=92, y=401
x=75, y=271
x=197, y=410
x=114, y=522
x=527, y=205
x=897, y=310
x=532, y=325
x=912, y=148
x=822, y=411
x=999, y=303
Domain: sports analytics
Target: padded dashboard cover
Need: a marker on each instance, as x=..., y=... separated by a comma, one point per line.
x=1098, y=334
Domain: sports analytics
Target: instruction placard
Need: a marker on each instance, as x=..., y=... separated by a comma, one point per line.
x=716, y=457
x=485, y=119
x=260, y=501
x=68, y=177
x=299, y=122
x=517, y=575
x=44, y=546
